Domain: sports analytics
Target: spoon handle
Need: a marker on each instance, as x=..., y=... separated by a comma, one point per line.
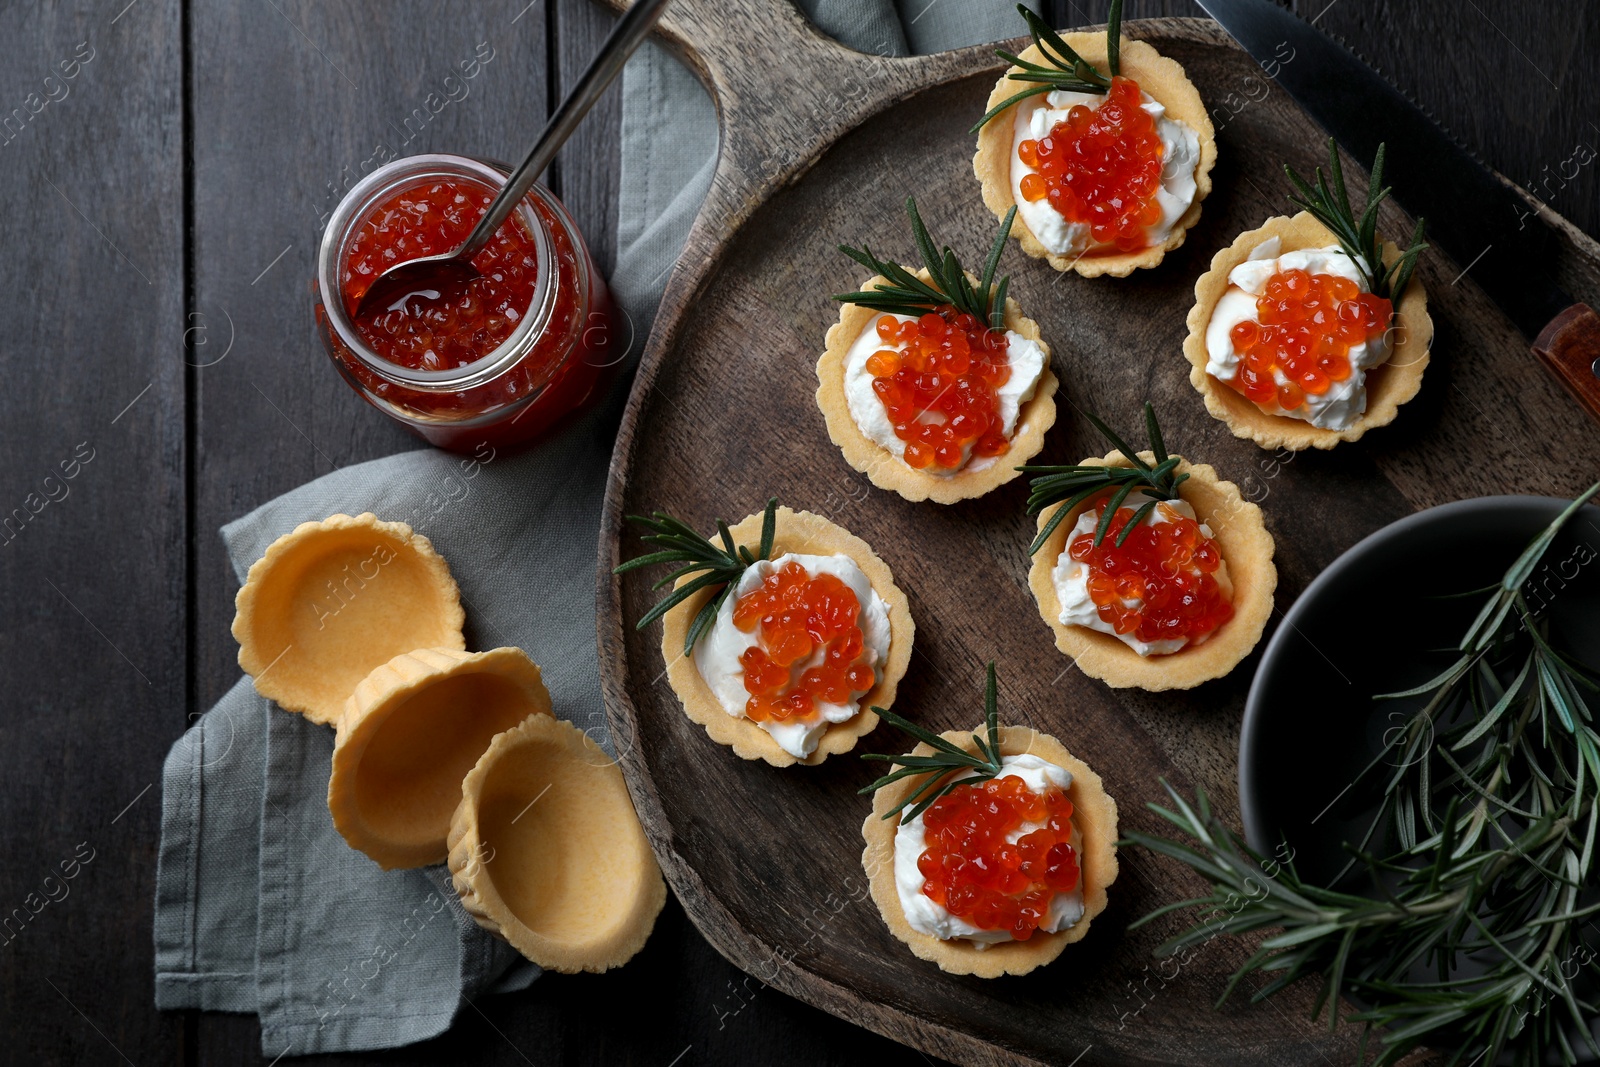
x=601, y=72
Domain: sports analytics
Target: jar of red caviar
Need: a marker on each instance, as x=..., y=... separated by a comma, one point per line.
x=508, y=357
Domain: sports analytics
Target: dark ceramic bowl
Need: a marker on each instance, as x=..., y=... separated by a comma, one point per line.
x=1366, y=626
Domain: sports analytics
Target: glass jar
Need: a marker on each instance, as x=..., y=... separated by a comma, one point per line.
x=555, y=363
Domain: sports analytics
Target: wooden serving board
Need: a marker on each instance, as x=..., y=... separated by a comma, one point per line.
x=821, y=145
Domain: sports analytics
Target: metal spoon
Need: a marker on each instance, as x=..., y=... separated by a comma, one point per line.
x=429, y=276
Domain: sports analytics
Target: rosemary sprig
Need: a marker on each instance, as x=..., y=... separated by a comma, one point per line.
x=1067, y=70
x=1077, y=483
x=1492, y=811
x=718, y=568
x=906, y=294
x=1358, y=237
x=946, y=761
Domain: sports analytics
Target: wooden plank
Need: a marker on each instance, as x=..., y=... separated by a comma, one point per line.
x=585, y=175
x=1514, y=81
x=92, y=654
x=292, y=104
x=290, y=101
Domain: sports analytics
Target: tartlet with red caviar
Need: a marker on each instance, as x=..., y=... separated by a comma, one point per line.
x=781, y=637
x=989, y=853
x=1152, y=572
x=1311, y=330
x=933, y=383
x=1102, y=144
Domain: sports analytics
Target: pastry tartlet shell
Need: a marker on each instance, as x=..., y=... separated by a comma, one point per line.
x=1389, y=384
x=1239, y=530
x=399, y=815
x=623, y=892
x=1094, y=813
x=411, y=602
x=809, y=534
x=1160, y=77
x=888, y=471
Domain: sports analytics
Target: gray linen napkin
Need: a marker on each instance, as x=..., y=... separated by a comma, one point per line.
x=260, y=905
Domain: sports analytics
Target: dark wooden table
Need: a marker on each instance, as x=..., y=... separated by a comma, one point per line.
x=163, y=201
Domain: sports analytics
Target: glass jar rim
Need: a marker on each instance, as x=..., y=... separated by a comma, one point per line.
x=359, y=202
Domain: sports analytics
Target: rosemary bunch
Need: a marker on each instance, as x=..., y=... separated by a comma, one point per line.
x=1359, y=237
x=716, y=567
x=948, y=765
x=1492, y=813
x=1074, y=484
x=906, y=294
x=1064, y=68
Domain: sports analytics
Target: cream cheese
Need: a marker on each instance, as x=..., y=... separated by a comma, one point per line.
x=1344, y=402
x=910, y=841
x=1071, y=579
x=716, y=656
x=1180, y=155
x=1027, y=361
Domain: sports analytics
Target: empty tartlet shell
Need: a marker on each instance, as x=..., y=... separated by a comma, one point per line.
x=888, y=471
x=1094, y=814
x=1247, y=547
x=410, y=733
x=807, y=534
x=1160, y=77
x=1389, y=384
x=585, y=889
x=329, y=601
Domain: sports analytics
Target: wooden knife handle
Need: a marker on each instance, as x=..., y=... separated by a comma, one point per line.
x=1570, y=346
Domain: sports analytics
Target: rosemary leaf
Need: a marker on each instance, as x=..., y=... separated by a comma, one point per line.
x=1072, y=485
x=1359, y=237
x=948, y=765
x=1134, y=523
x=716, y=568
x=947, y=284
x=1492, y=815
x=1067, y=71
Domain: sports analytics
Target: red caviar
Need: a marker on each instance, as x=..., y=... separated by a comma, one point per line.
x=459, y=327
x=1160, y=584
x=1305, y=326
x=1101, y=166
x=540, y=308
x=793, y=615
x=940, y=386
x=976, y=874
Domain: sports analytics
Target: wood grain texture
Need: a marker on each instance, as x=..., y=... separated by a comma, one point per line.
x=272, y=124
x=272, y=415
x=349, y=87
x=268, y=167
x=1539, y=134
x=742, y=321
x=585, y=174
x=91, y=520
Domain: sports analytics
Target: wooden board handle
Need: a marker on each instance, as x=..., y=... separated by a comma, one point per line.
x=1570, y=346
x=784, y=91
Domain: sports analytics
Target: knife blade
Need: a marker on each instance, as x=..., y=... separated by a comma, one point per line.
x=1472, y=214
